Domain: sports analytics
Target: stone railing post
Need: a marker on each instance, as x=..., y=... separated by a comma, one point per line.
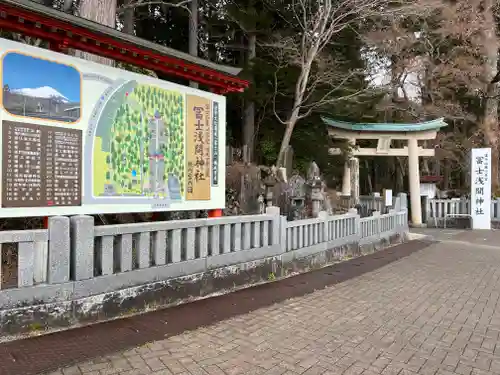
x=403, y=199
x=495, y=208
x=393, y=220
x=275, y=228
x=323, y=215
x=464, y=207
x=283, y=222
x=426, y=212
x=376, y=214
x=278, y=229
x=397, y=203
x=357, y=223
x=59, y=250
x=82, y=247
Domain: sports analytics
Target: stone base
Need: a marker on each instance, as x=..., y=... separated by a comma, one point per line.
x=423, y=225
x=456, y=223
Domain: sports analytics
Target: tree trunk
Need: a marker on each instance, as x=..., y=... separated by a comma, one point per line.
x=369, y=176
x=401, y=174
x=290, y=125
x=425, y=167
x=436, y=168
x=47, y=3
x=446, y=175
x=491, y=129
x=100, y=11
x=193, y=33
x=129, y=18
x=391, y=116
x=68, y=6
x=490, y=121
x=249, y=113
x=300, y=89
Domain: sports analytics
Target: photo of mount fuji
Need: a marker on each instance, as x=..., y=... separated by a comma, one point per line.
x=42, y=89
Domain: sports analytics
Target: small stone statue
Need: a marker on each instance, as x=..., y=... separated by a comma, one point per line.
x=262, y=206
x=315, y=197
x=313, y=172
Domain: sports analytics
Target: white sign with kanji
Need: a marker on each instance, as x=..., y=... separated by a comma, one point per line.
x=481, y=188
x=388, y=197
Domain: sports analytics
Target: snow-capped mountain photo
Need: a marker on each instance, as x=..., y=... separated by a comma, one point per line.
x=45, y=92
x=42, y=89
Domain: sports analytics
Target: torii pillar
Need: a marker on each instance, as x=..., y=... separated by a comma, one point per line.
x=384, y=134
x=414, y=181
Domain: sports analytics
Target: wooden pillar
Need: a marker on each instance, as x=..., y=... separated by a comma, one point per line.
x=216, y=212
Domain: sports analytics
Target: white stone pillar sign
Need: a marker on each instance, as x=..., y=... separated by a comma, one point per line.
x=480, y=188
x=388, y=197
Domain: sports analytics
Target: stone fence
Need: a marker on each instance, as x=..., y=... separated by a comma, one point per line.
x=436, y=210
x=370, y=203
x=77, y=273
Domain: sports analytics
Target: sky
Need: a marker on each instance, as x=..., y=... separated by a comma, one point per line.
x=20, y=72
x=381, y=76
x=379, y=70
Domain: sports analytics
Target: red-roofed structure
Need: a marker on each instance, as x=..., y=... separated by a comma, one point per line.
x=64, y=31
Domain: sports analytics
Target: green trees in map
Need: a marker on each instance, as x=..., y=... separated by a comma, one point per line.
x=126, y=133
x=130, y=135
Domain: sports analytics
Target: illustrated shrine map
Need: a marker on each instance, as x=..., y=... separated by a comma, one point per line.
x=142, y=153
x=140, y=140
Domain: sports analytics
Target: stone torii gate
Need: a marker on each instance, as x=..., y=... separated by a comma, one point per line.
x=385, y=134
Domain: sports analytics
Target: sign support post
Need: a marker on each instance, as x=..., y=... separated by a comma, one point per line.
x=215, y=213
x=480, y=173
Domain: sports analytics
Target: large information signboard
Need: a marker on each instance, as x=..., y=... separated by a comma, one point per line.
x=80, y=138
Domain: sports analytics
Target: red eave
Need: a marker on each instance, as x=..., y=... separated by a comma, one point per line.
x=63, y=35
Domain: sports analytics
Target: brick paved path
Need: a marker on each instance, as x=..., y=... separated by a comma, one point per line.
x=434, y=312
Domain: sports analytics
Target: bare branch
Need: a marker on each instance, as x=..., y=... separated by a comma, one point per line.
x=315, y=24
x=184, y=4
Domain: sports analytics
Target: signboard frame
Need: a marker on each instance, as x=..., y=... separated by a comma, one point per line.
x=137, y=138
